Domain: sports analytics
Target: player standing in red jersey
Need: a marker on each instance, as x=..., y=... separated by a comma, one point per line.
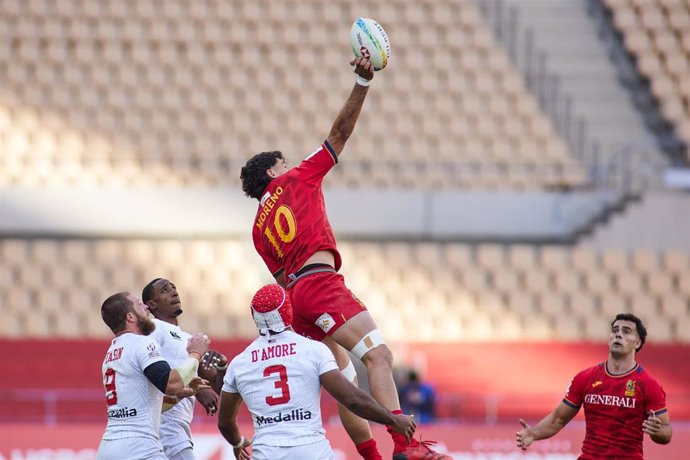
x=293, y=236
x=621, y=400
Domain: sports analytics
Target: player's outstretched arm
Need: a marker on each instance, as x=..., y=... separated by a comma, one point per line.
x=345, y=122
x=658, y=428
x=362, y=404
x=549, y=426
x=227, y=424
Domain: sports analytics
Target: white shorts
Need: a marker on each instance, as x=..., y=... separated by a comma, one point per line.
x=176, y=436
x=320, y=450
x=130, y=449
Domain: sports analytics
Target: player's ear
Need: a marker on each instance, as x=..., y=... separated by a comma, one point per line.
x=270, y=173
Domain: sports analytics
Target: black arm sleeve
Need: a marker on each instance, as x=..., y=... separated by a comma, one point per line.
x=158, y=373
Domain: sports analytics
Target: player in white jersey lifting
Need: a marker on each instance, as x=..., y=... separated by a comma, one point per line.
x=136, y=376
x=163, y=301
x=279, y=377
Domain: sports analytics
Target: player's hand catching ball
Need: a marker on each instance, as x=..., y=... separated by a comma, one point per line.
x=198, y=344
x=363, y=68
x=213, y=359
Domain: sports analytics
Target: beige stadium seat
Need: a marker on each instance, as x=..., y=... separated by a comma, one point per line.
x=598, y=282
x=583, y=304
x=611, y=304
x=660, y=283
x=522, y=257
x=665, y=42
x=650, y=66
x=490, y=303
x=507, y=327
x=475, y=280
x=683, y=283
x=568, y=327
x=78, y=299
x=12, y=325
x=490, y=257
x=67, y=325
x=568, y=282
x=478, y=327
x=38, y=326
x=638, y=42
x=676, y=262
x=553, y=258
x=507, y=281
x=553, y=304
x=537, y=328
x=652, y=18
x=645, y=262
x=14, y=251
x=30, y=276
x=595, y=329
x=675, y=306
x=44, y=252
x=538, y=281
x=615, y=261
x=659, y=330
x=682, y=329
x=221, y=325
x=522, y=304
x=644, y=305
x=584, y=260
x=631, y=283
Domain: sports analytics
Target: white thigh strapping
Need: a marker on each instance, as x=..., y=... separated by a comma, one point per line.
x=370, y=341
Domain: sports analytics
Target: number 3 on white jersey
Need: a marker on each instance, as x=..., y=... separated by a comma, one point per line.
x=281, y=384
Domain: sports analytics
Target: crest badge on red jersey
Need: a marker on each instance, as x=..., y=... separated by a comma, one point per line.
x=630, y=388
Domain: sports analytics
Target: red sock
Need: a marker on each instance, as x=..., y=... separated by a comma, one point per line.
x=399, y=441
x=368, y=450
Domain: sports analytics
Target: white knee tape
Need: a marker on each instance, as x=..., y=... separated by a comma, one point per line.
x=349, y=372
x=370, y=341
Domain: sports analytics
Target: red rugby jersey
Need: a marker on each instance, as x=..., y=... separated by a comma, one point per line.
x=291, y=223
x=615, y=407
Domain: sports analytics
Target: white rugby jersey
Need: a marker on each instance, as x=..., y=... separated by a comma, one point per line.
x=278, y=379
x=134, y=403
x=173, y=342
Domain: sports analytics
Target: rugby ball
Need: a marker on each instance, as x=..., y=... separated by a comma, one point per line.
x=369, y=40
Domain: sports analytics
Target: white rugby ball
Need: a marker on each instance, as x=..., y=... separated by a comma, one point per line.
x=369, y=40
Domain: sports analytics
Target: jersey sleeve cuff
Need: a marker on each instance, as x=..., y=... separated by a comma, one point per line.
x=278, y=272
x=331, y=151
x=571, y=404
x=659, y=412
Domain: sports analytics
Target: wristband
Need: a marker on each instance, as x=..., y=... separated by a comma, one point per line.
x=222, y=368
x=239, y=444
x=361, y=81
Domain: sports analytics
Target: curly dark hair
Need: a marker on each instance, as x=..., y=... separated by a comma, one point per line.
x=253, y=174
x=641, y=330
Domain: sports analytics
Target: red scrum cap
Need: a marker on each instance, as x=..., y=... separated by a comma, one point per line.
x=271, y=308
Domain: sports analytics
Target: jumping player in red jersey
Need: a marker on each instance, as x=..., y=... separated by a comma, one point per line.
x=293, y=236
x=621, y=400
